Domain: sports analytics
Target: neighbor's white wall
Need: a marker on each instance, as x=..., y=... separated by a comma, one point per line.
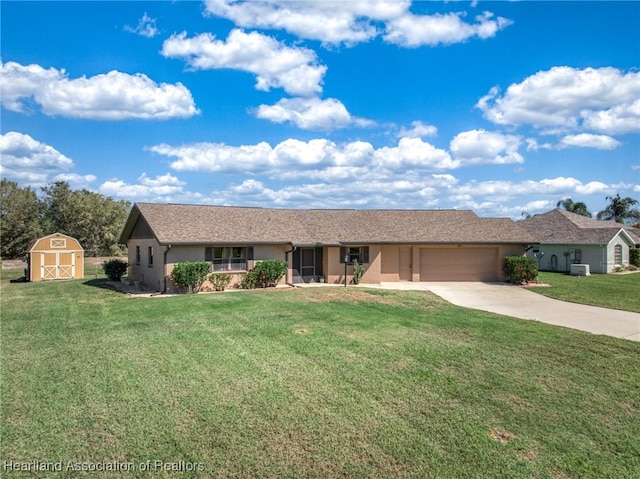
x=593, y=255
x=611, y=264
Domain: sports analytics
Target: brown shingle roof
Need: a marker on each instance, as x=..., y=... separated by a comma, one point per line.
x=562, y=227
x=198, y=224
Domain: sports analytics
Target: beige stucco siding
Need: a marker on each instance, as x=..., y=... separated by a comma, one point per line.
x=150, y=276
x=390, y=263
x=178, y=254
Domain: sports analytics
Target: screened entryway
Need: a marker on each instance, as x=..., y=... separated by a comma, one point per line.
x=307, y=265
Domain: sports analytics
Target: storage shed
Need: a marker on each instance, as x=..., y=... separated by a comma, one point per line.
x=55, y=256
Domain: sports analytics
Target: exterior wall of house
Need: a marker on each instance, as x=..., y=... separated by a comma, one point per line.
x=611, y=262
x=334, y=269
x=150, y=276
x=178, y=254
x=565, y=255
x=392, y=263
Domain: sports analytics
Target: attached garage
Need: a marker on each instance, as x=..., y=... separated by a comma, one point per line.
x=459, y=264
x=56, y=256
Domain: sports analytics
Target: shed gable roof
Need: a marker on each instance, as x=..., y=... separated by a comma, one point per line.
x=560, y=226
x=199, y=224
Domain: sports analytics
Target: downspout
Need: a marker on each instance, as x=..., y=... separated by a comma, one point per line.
x=164, y=267
x=286, y=258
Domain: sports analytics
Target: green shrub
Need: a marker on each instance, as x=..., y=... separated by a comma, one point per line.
x=634, y=257
x=220, y=280
x=270, y=271
x=358, y=271
x=248, y=280
x=265, y=273
x=520, y=269
x=190, y=275
x=114, y=268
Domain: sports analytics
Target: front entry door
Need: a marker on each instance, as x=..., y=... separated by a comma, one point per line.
x=307, y=263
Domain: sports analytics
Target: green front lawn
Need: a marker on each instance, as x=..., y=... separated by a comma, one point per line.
x=322, y=383
x=617, y=291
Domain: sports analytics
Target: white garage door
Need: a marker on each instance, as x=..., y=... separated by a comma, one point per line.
x=459, y=264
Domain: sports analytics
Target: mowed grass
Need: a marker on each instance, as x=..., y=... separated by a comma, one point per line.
x=322, y=383
x=617, y=291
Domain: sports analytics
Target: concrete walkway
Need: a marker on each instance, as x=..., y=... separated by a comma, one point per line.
x=518, y=302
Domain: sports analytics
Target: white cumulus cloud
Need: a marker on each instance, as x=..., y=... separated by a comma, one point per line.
x=413, y=31
x=30, y=161
x=415, y=153
x=111, y=96
x=295, y=69
x=479, y=147
x=330, y=22
x=146, y=27
x=357, y=21
x=604, y=100
x=162, y=188
x=587, y=140
x=418, y=130
x=311, y=114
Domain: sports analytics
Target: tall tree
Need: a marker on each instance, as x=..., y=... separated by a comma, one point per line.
x=620, y=209
x=19, y=218
x=577, y=207
x=93, y=219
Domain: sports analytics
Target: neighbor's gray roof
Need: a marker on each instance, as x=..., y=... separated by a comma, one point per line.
x=199, y=224
x=562, y=227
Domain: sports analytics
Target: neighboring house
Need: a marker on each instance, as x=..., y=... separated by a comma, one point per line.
x=567, y=238
x=393, y=245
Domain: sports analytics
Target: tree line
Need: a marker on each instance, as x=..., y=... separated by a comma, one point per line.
x=95, y=220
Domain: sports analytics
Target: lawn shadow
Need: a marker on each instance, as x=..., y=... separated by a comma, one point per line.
x=102, y=283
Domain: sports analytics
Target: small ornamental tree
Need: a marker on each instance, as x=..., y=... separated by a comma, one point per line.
x=358, y=271
x=114, y=269
x=190, y=275
x=520, y=269
x=634, y=257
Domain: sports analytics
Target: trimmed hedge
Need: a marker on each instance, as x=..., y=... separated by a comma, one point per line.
x=520, y=269
x=634, y=257
x=190, y=275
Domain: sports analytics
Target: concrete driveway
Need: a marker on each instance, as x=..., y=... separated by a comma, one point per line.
x=518, y=302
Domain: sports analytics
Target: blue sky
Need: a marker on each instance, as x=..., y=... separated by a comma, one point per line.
x=498, y=107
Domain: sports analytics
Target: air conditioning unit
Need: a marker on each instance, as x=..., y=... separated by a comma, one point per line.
x=580, y=270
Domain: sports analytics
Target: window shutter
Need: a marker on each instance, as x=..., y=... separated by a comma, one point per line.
x=250, y=253
x=208, y=254
x=343, y=251
x=365, y=254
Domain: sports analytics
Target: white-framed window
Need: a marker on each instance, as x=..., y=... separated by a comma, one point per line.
x=228, y=258
x=617, y=254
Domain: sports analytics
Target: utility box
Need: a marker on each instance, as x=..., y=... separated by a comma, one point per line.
x=580, y=270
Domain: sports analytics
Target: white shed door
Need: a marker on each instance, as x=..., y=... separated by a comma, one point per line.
x=459, y=264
